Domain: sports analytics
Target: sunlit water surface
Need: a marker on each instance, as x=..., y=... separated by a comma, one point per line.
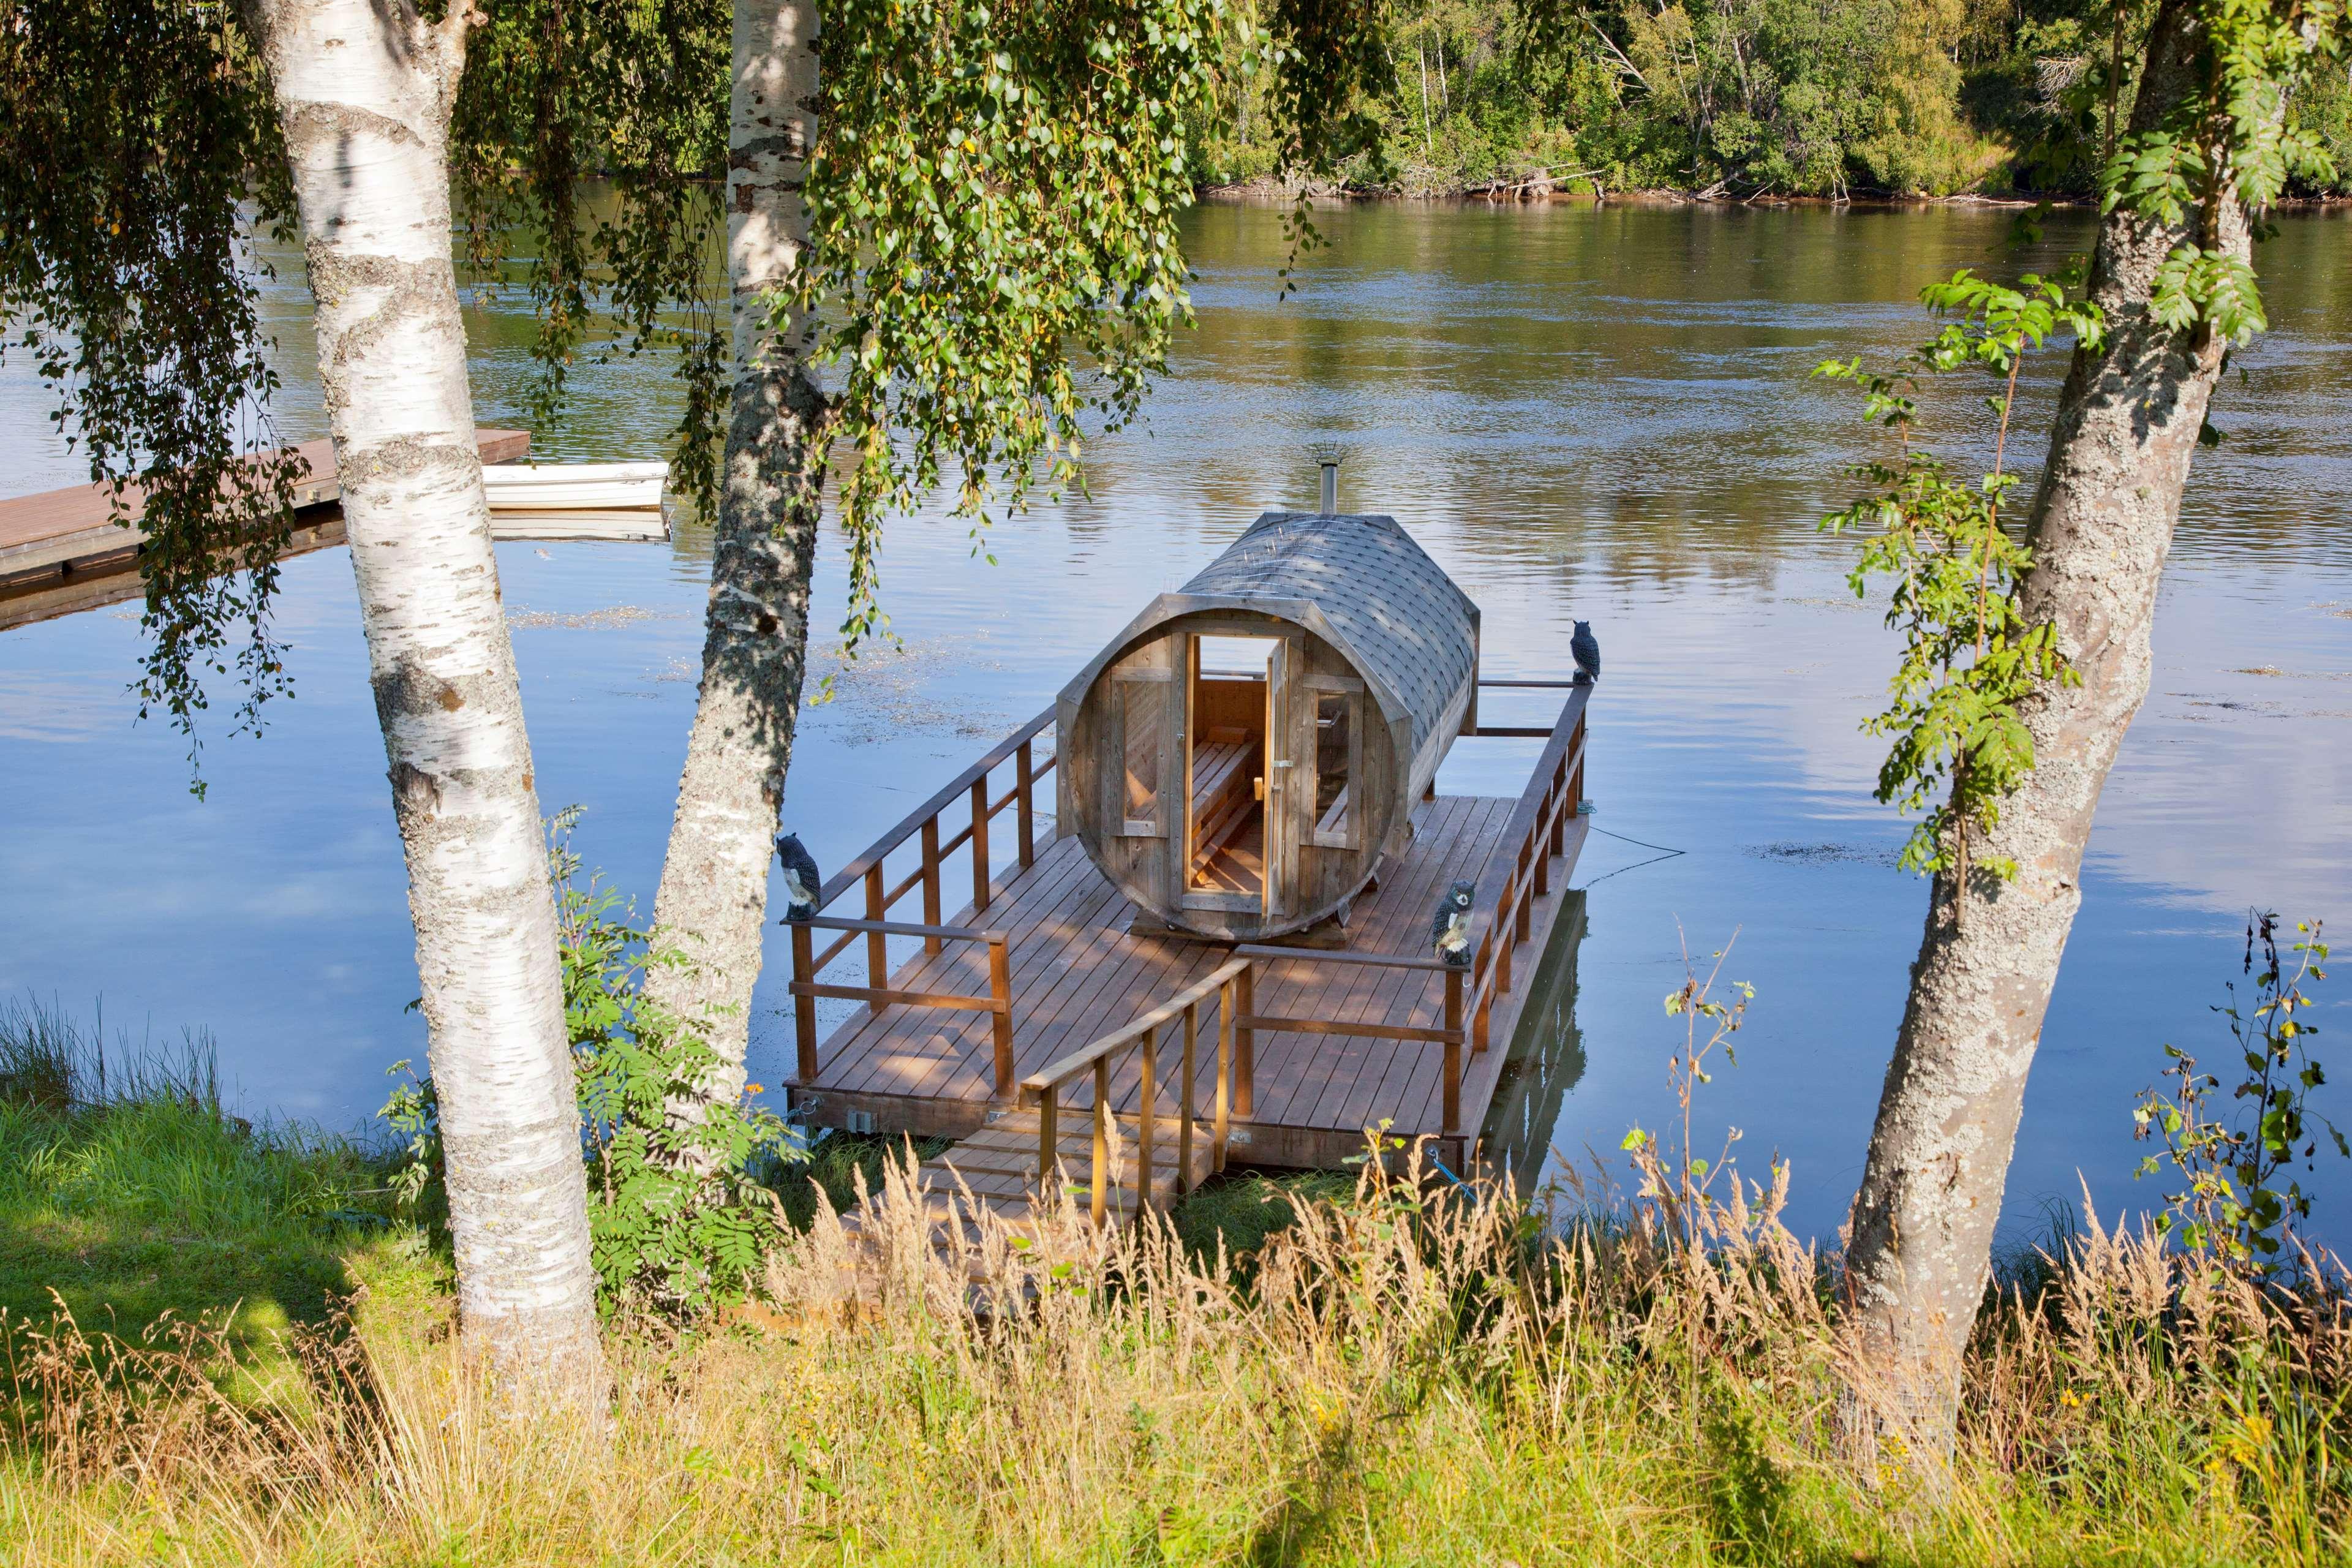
x=1583, y=413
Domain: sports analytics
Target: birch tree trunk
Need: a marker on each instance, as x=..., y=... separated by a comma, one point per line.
x=1919, y=1253
x=363, y=90
x=713, y=899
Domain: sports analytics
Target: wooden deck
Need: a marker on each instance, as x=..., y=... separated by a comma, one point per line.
x=62, y=550
x=971, y=1028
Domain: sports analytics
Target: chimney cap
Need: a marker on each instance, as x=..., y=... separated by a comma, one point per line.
x=1328, y=455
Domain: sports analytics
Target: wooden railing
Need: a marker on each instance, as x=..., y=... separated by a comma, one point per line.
x=1045, y=1087
x=1520, y=872
x=1451, y=1034
x=869, y=872
x=877, y=997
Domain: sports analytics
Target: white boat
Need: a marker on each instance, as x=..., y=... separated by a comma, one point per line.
x=536, y=523
x=574, y=487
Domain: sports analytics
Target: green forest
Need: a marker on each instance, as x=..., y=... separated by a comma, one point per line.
x=1746, y=100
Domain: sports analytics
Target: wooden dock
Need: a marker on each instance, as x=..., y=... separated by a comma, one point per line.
x=1040, y=1030
x=68, y=550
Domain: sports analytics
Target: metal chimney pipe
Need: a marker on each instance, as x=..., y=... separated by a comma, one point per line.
x=1330, y=486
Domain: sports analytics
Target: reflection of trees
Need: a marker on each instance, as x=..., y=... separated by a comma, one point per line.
x=1628, y=384
x=1547, y=1059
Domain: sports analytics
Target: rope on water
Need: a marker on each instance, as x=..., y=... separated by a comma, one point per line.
x=1663, y=853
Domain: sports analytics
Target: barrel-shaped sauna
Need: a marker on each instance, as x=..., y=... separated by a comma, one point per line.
x=1241, y=760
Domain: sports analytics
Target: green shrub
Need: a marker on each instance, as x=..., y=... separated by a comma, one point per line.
x=679, y=1217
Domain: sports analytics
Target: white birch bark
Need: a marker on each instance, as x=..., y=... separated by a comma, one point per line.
x=1919, y=1255
x=713, y=899
x=363, y=90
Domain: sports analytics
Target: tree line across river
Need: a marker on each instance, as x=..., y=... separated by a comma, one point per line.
x=1744, y=98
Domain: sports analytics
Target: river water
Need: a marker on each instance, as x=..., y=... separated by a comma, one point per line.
x=1583, y=413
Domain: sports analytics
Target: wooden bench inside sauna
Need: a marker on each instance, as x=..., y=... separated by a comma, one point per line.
x=1244, y=756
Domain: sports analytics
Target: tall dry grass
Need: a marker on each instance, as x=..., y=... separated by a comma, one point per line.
x=1414, y=1376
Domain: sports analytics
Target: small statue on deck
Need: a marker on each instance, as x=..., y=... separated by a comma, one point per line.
x=1449, y=930
x=801, y=882
x=1586, y=649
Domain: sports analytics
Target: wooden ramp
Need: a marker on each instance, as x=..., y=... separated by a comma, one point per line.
x=66, y=551
x=1037, y=998
x=57, y=534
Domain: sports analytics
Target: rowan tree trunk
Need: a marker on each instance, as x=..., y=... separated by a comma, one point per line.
x=1919, y=1253
x=713, y=898
x=363, y=90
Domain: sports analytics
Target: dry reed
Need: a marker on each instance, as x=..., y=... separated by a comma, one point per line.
x=1418, y=1374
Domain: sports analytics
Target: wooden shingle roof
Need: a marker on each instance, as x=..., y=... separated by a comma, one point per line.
x=1388, y=607
x=1360, y=581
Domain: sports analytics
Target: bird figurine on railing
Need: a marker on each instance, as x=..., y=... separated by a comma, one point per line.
x=1586, y=648
x=801, y=882
x=1449, y=929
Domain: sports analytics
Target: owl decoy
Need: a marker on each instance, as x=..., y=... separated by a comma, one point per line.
x=1449, y=929
x=1586, y=649
x=802, y=880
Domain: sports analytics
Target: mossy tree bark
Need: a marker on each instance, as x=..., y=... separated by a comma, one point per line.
x=713, y=898
x=1919, y=1255
x=363, y=90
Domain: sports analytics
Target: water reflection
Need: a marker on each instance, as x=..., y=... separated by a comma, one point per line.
x=1546, y=1061
x=1581, y=413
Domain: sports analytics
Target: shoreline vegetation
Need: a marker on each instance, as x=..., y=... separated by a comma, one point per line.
x=251, y=1360
x=1270, y=191
x=1760, y=102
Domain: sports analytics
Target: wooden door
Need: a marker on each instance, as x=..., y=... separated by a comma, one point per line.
x=1144, y=805
x=1281, y=763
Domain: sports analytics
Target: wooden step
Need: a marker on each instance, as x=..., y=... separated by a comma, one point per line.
x=998, y=1166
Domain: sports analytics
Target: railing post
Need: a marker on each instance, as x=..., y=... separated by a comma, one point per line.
x=804, y=1007
x=932, y=882
x=1522, y=906
x=1025, y=808
x=980, y=842
x=1144, y=1128
x=1100, y=1178
x=878, y=945
x=1453, y=1104
x=1224, y=1067
x=1561, y=813
x=1184, y=1098
x=1577, y=742
x=1506, y=925
x=1544, y=851
x=1452, y=1122
x=1245, y=1042
x=1000, y=991
x=1048, y=1136
x=1485, y=993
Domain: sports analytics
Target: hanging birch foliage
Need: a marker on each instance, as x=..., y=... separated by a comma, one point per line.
x=588, y=150
x=993, y=203
x=139, y=152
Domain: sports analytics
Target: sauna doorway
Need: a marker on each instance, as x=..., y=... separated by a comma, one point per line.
x=1233, y=695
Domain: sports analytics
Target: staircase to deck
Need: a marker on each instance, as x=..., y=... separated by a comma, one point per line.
x=998, y=1166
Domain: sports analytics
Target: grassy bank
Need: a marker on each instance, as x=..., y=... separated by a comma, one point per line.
x=1400, y=1385
x=1400, y=1379
x=130, y=1200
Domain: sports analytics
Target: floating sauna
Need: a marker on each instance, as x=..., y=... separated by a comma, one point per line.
x=1245, y=755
